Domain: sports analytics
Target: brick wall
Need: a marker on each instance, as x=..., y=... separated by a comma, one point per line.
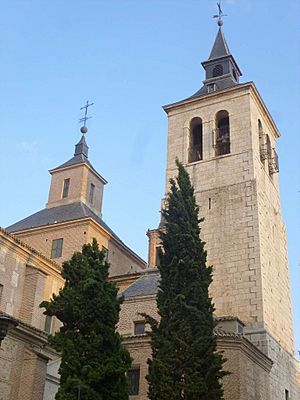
x=249, y=378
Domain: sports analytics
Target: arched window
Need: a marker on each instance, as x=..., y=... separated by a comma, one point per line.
x=222, y=145
x=196, y=139
x=218, y=70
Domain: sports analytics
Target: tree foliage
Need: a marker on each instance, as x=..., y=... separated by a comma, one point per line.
x=184, y=364
x=93, y=360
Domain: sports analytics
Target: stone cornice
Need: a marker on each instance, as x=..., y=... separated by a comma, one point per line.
x=36, y=340
x=235, y=341
x=91, y=169
x=249, y=86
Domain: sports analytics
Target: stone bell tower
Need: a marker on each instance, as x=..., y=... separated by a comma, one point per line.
x=226, y=138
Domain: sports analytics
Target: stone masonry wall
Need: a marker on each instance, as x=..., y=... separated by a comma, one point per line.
x=284, y=374
x=243, y=228
x=225, y=191
x=273, y=246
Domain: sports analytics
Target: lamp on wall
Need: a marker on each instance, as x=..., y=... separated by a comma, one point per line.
x=6, y=324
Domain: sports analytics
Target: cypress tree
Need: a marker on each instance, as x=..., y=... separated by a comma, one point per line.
x=184, y=364
x=93, y=361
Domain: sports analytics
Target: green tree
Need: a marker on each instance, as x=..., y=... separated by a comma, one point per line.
x=184, y=364
x=93, y=361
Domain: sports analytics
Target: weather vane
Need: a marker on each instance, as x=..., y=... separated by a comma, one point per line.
x=85, y=118
x=220, y=15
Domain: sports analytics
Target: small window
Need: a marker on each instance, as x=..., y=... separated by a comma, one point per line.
x=66, y=188
x=48, y=323
x=56, y=249
x=139, y=328
x=133, y=376
x=287, y=395
x=218, y=70
x=211, y=88
x=92, y=190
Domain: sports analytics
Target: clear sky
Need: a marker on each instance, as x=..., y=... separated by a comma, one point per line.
x=130, y=57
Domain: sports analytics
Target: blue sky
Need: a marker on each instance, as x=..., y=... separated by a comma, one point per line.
x=130, y=57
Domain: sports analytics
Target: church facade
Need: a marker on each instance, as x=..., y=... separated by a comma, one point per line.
x=226, y=139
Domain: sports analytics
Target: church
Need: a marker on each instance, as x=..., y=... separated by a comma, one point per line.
x=226, y=138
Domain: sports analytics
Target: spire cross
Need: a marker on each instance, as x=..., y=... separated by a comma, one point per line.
x=220, y=14
x=85, y=118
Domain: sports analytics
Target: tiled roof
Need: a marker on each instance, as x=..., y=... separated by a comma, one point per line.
x=55, y=215
x=80, y=157
x=147, y=284
x=64, y=213
x=76, y=160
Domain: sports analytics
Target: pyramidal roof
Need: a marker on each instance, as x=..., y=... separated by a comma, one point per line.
x=220, y=47
x=80, y=157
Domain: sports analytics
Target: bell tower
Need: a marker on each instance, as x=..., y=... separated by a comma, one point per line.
x=226, y=138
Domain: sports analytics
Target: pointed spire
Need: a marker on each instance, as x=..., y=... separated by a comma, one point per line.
x=220, y=47
x=81, y=148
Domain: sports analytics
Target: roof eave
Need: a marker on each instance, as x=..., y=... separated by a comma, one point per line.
x=91, y=168
x=204, y=63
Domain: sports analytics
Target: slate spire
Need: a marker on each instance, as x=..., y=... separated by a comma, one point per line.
x=221, y=69
x=220, y=47
x=81, y=148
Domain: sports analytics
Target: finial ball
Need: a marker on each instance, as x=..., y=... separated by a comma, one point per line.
x=83, y=130
x=220, y=22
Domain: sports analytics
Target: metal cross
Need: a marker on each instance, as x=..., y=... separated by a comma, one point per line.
x=220, y=14
x=85, y=118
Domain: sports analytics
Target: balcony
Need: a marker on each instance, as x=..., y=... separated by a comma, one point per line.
x=273, y=162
